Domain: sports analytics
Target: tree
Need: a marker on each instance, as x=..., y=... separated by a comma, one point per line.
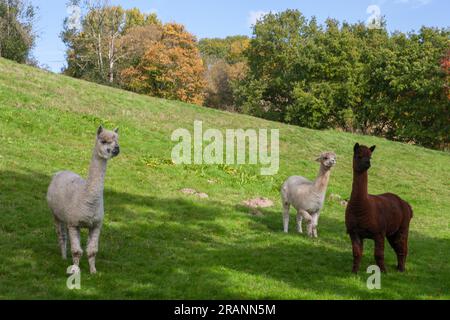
x=445, y=64
x=170, y=68
x=221, y=77
x=332, y=89
x=225, y=64
x=274, y=58
x=95, y=51
x=133, y=45
x=16, y=29
x=135, y=18
x=408, y=81
x=347, y=76
x=230, y=49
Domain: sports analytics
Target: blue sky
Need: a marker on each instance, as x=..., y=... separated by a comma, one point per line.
x=212, y=18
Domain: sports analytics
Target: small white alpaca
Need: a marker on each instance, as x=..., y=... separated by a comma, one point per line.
x=77, y=203
x=307, y=197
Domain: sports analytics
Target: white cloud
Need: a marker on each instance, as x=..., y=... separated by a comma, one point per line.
x=254, y=16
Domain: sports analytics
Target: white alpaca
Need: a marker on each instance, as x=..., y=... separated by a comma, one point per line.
x=307, y=197
x=77, y=203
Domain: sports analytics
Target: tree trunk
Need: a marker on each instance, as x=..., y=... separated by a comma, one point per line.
x=111, y=71
x=111, y=59
x=100, y=56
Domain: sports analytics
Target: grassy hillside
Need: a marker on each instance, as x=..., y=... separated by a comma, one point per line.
x=159, y=243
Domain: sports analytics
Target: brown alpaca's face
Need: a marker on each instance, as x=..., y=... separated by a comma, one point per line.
x=107, y=144
x=361, y=158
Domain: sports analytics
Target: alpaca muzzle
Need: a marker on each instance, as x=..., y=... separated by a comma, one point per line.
x=362, y=165
x=116, y=151
x=366, y=165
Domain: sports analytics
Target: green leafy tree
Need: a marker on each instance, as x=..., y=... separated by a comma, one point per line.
x=347, y=76
x=16, y=30
x=230, y=49
x=274, y=58
x=407, y=88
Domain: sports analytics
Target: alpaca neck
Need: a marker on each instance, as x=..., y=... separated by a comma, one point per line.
x=321, y=182
x=96, y=177
x=359, y=188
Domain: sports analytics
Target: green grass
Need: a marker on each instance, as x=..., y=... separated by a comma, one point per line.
x=158, y=243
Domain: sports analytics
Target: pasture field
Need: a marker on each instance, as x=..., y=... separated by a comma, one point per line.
x=158, y=243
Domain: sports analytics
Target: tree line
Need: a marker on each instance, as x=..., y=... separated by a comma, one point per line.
x=17, y=36
x=347, y=76
x=292, y=69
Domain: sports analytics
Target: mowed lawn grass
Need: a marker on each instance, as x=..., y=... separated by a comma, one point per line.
x=158, y=243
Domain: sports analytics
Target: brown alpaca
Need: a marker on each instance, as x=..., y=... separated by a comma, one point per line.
x=375, y=217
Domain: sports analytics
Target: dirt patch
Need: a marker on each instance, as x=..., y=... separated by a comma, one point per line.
x=258, y=203
x=188, y=191
x=202, y=195
x=194, y=192
x=255, y=204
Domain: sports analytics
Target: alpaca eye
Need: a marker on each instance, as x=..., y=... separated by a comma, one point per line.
x=104, y=142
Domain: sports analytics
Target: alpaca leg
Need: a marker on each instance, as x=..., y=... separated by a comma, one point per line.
x=399, y=242
x=61, y=231
x=299, y=222
x=75, y=246
x=92, y=247
x=315, y=224
x=286, y=207
x=402, y=251
x=379, y=252
x=310, y=221
x=358, y=248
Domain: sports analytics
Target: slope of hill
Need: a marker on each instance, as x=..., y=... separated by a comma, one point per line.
x=158, y=243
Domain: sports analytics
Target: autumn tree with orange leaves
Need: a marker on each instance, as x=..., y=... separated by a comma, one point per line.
x=170, y=68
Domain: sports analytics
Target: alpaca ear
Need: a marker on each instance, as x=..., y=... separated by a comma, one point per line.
x=319, y=158
x=116, y=130
x=372, y=148
x=356, y=147
x=100, y=130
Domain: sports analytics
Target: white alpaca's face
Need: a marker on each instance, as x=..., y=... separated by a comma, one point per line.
x=107, y=144
x=328, y=159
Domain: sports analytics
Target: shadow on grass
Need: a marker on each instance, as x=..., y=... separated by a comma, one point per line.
x=183, y=248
